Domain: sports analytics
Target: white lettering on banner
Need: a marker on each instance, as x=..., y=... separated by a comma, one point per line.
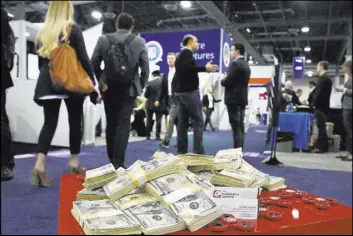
x=298, y=68
x=201, y=56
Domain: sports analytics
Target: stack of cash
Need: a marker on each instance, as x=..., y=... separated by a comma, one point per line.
x=102, y=218
x=159, y=154
x=275, y=183
x=167, y=184
x=194, y=206
x=260, y=180
x=91, y=195
x=154, y=218
x=100, y=176
x=119, y=187
x=225, y=159
x=163, y=166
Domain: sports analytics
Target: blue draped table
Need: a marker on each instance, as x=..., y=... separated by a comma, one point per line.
x=299, y=124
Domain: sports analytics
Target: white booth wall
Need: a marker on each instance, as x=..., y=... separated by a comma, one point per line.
x=25, y=116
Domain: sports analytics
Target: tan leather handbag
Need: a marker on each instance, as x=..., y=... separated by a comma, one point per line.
x=66, y=70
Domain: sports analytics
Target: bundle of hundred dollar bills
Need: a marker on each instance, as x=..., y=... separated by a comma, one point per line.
x=194, y=206
x=103, y=218
x=99, y=177
x=141, y=172
x=167, y=184
x=152, y=215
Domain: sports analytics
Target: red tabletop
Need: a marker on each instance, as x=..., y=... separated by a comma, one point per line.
x=336, y=220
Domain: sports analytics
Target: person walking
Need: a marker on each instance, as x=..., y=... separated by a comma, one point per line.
x=7, y=63
x=188, y=95
x=123, y=54
x=208, y=102
x=59, y=18
x=347, y=108
x=151, y=93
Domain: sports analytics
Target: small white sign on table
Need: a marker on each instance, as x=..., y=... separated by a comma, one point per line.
x=242, y=203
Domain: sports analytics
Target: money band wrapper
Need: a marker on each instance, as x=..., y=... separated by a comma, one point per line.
x=138, y=177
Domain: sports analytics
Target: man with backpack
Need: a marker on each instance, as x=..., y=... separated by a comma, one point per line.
x=120, y=82
x=8, y=41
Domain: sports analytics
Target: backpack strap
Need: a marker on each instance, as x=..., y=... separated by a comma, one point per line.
x=129, y=39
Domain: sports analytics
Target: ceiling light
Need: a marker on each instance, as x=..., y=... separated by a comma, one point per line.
x=27, y=34
x=185, y=4
x=248, y=30
x=307, y=49
x=97, y=15
x=256, y=62
x=308, y=61
x=10, y=15
x=251, y=62
x=305, y=29
x=310, y=73
x=231, y=39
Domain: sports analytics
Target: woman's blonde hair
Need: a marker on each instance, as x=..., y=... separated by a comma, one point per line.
x=59, y=15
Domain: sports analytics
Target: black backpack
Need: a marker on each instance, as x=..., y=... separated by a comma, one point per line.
x=120, y=64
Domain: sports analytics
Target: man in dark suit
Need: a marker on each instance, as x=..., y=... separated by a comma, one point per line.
x=321, y=105
x=167, y=94
x=236, y=92
x=208, y=102
x=119, y=101
x=7, y=157
x=188, y=94
x=151, y=94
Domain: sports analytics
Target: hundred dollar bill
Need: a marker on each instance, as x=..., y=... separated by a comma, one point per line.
x=228, y=155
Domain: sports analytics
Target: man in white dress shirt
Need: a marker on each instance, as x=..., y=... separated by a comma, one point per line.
x=167, y=94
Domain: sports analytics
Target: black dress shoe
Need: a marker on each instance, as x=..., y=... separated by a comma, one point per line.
x=6, y=174
x=158, y=138
x=148, y=138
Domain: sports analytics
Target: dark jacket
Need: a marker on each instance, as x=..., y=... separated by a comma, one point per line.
x=6, y=80
x=163, y=91
x=139, y=51
x=310, y=98
x=206, y=102
x=294, y=99
x=322, y=93
x=347, y=95
x=44, y=85
x=151, y=93
x=236, y=83
x=186, y=74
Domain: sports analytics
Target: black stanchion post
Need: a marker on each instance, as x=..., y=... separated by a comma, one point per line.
x=276, y=84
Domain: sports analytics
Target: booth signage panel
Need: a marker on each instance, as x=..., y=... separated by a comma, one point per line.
x=160, y=44
x=298, y=67
x=225, y=52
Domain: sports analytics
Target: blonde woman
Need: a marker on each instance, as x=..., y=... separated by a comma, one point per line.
x=59, y=16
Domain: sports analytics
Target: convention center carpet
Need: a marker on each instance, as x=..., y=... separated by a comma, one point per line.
x=30, y=210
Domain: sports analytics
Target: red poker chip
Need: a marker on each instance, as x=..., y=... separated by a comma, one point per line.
x=265, y=201
x=322, y=205
x=228, y=219
x=217, y=226
x=284, y=203
x=286, y=195
x=301, y=193
x=274, y=215
x=332, y=201
x=263, y=209
x=309, y=200
x=245, y=226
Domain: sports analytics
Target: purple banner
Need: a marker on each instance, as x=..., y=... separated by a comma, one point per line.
x=159, y=44
x=298, y=69
x=225, y=52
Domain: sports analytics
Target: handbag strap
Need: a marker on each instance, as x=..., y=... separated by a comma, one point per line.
x=68, y=30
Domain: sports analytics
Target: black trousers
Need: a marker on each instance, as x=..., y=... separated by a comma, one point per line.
x=347, y=121
x=321, y=119
x=236, y=115
x=7, y=156
x=159, y=115
x=118, y=106
x=51, y=109
x=190, y=106
x=208, y=114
